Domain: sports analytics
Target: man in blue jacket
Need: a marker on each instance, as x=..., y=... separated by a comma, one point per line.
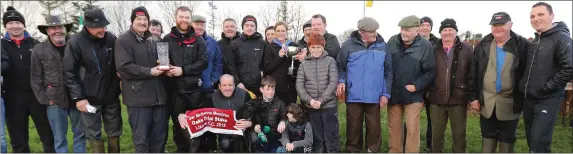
x=361, y=61
x=209, y=76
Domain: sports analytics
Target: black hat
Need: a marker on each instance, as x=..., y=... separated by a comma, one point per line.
x=499, y=18
x=307, y=24
x=249, y=18
x=448, y=23
x=95, y=18
x=139, y=11
x=427, y=19
x=12, y=15
x=52, y=21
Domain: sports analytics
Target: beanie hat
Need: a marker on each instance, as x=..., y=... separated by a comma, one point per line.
x=307, y=24
x=249, y=18
x=12, y=15
x=139, y=11
x=427, y=19
x=448, y=23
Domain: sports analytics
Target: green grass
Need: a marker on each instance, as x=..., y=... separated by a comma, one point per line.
x=562, y=136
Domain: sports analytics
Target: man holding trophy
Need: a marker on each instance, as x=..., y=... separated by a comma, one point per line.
x=144, y=94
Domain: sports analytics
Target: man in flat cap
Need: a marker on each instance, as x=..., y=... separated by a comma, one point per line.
x=46, y=79
x=493, y=89
x=364, y=48
x=414, y=70
x=210, y=76
x=92, y=81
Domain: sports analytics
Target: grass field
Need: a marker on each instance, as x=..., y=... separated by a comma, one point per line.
x=562, y=136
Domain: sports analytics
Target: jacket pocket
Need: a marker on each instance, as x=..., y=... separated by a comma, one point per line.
x=53, y=93
x=138, y=87
x=460, y=92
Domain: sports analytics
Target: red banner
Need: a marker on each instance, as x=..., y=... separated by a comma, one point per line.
x=211, y=119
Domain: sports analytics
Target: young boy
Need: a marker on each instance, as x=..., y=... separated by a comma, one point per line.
x=297, y=138
x=270, y=118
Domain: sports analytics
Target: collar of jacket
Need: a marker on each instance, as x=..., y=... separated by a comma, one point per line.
x=140, y=39
x=355, y=35
x=175, y=33
x=457, y=44
x=415, y=43
x=237, y=35
x=512, y=42
x=7, y=35
x=557, y=27
x=277, y=42
x=255, y=36
x=87, y=34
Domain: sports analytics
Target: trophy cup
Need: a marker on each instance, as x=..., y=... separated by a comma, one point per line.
x=163, y=55
x=292, y=51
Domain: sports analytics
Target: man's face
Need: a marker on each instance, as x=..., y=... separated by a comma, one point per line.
x=227, y=86
x=199, y=27
x=57, y=34
x=182, y=20
x=408, y=34
x=425, y=29
x=541, y=19
x=15, y=28
x=448, y=34
x=98, y=32
x=501, y=30
x=368, y=36
x=229, y=29
x=270, y=35
x=318, y=27
x=307, y=31
x=268, y=91
x=249, y=28
x=140, y=24
x=155, y=30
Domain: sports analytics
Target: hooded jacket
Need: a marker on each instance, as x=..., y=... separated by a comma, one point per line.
x=365, y=70
x=135, y=56
x=16, y=63
x=277, y=67
x=411, y=66
x=47, y=75
x=246, y=59
x=317, y=79
x=225, y=45
x=214, y=68
x=89, y=68
x=549, y=64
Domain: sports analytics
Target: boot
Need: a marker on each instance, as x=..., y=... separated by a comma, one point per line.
x=97, y=146
x=113, y=145
x=488, y=145
x=506, y=147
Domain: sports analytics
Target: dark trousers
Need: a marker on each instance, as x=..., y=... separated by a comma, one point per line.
x=539, y=117
x=502, y=131
x=356, y=114
x=233, y=143
x=457, y=115
x=19, y=106
x=324, y=124
x=287, y=97
x=179, y=134
x=429, y=126
x=111, y=117
x=208, y=139
x=148, y=127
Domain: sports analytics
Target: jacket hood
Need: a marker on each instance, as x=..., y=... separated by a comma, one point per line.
x=255, y=36
x=237, y=35
x=7, y=35
x=277, y=42
x=177, y=34
x=557, y=27
x=355, y=35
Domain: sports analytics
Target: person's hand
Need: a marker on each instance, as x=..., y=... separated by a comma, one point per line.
x=411, y=88
x=182, y=118
x=81, y=105
x=475, y=105
x=240, y=85
x=155, y=71
x=281, y=127
x=340, y=89
x=282, y=52
x=315, y=104
x=51, y=102
x=383, y=101
x=176, y=71
x=257, y=128
x=289, y=147
x=301, y=55
x=243, y=124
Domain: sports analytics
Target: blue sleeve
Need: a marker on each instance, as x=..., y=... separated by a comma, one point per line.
x=388, y=75
x=217, y=63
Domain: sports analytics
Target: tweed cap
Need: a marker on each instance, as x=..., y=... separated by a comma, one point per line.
x=198, y=18
x=368, y=24
x=409, y=21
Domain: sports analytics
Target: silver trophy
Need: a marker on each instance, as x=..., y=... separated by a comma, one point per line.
x=163, y=55
x=291, y=52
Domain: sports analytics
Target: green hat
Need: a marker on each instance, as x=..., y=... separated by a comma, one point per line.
x=409, y=21
x=198, y=18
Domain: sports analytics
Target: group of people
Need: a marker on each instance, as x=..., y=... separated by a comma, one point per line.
x=82, y=77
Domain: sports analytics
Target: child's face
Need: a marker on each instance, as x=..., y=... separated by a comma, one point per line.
x=268, y=92
x=291, y=117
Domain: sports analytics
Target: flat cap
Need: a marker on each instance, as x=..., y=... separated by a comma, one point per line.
x=368, y=24
x=409, y=21
x=198, y=18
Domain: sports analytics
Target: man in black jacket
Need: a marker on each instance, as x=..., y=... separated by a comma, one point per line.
x=549, y=68
x=144, y=93
x=20, y=99
x=188, y=57
x=426, y=26
x=92, y=81
x=245, y=61
x=228, y=35
x=318, y=24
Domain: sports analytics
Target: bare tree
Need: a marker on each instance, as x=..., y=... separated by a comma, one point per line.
x=345, y=35
x=268, y=14
x=213, y=21
x=297, y=19
x=168, y=9
x=50, y=6
x=119, y=12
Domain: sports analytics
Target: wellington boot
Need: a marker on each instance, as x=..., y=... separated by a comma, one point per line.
x=113, y=145
x=488, y=145
x=506, y=147
x=97, y=146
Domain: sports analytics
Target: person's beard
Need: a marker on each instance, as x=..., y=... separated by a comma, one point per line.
x=59, y=39
x=182, y=28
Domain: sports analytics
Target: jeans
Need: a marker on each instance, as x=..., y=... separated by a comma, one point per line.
x=58, y=118
x=3, y=146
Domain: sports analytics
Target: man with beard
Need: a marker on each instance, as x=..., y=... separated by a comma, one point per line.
x=245, y=60
x=92, y=81
x=549, y=68
x=188, y=57
x=156, y=29
x=18, y=94
x=228, y=35
x=47, y=80
x=209, y=76
x=136, y=59
x=318, y=24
